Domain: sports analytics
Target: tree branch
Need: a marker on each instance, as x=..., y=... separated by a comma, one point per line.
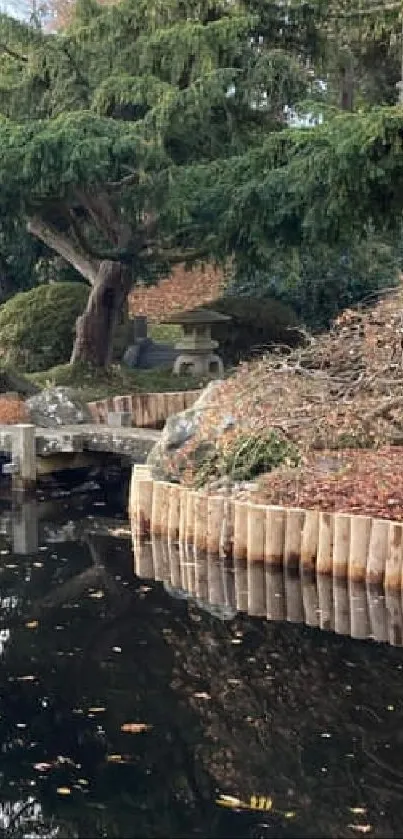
x=124, y=254
x=12, y=53
x=63, y=245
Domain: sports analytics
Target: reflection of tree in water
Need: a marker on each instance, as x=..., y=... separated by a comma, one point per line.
x=240, y=708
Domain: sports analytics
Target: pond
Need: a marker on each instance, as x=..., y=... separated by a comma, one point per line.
x=134, y=707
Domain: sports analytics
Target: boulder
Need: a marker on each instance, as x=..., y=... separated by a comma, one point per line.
x=178, y=430
x=57, y=406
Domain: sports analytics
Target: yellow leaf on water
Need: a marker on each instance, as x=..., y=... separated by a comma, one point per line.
x=32, y=624
x=64, y=790
x=135, y=727
x=260, y=802
x=230, y=801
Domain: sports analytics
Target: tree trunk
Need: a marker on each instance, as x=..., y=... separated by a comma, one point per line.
x=95, y=328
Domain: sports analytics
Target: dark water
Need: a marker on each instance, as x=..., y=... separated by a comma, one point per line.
x=130, y=710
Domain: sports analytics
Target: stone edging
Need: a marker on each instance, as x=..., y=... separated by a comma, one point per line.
x=358, y=548
x=148, y=410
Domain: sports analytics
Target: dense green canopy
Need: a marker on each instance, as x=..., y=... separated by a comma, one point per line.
x=150, y=131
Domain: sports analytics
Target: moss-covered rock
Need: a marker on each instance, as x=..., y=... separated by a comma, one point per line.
x=37, y=326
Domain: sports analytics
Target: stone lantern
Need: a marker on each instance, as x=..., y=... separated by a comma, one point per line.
x=196, y=347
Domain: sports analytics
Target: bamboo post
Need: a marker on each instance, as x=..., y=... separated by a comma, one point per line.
x=144, y=560
x=360, y=532
x=275, y=597
x=159, y=497
x=275, y=537
x=215, y=515
x=293, y=598
x=174, y=507
x=215, y=580
x=359, y=618
x=145, y=490
x=256, y=527
x=324, y=563
x=309, y=541
x=150, y=411
x=240, y=555
x=293, y=537
x=190, y=577
x=227, y=530
x=394, y=561
x=165, y=503
x=182, y=537
x=157, y=504
x=377, y=615
x=394, y=617
x=175, y=564
x=377, y=552
x=229, y=582
x=201, y=581
x=325, y=602
x=310, y=600
x=23, y=456
x=160, y=408
x=341, y=546
x=341, y=601
x=25, y=527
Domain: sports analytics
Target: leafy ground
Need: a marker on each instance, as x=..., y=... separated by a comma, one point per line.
x=92, y=384
x=362, y=482
x=339, y=399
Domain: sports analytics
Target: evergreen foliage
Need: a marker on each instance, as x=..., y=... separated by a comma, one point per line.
x=37, y=326
x=149, y=132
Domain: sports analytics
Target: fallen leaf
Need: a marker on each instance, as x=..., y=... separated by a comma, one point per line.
x=230, y=801
x=32, y=624
x=358, y=811
x=64, y=790
x=135, y=727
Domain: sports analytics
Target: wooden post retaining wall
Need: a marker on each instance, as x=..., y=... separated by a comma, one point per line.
x=360, y=549
x=148, y=410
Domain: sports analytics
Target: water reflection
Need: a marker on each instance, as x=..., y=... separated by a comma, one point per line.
x=130, y=706
x=224, y=588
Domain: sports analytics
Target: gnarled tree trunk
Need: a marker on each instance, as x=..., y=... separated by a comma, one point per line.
x=95, y=328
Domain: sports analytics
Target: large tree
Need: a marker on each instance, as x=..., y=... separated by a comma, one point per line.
x=101, y=121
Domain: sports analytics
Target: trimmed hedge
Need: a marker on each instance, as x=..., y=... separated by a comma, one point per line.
x=37, y=326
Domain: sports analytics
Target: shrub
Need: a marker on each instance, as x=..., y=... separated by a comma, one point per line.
x=255, y=326
x=246, y=456
x=37, y=326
